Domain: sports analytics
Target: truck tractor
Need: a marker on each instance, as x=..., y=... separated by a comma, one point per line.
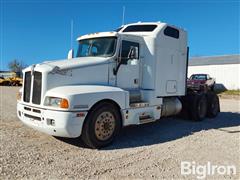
x=134, y=75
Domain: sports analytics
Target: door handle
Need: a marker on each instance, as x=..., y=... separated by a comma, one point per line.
x=135, y=81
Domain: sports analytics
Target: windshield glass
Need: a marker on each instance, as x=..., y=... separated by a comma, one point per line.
x=103, y=46
x=198, y=77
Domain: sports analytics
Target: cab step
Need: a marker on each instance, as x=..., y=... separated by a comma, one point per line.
x=145, y=119
x=139, y=104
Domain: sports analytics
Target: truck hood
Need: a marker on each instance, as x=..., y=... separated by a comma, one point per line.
x=77, y=71
x=65, y=64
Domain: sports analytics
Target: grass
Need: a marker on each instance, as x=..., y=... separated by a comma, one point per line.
x=228, y=92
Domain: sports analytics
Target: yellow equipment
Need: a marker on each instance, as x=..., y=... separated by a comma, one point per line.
x=15, y=81
x=11, y=80
x=4, y=82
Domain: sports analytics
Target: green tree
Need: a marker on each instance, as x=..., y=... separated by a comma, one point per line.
x=16, y=65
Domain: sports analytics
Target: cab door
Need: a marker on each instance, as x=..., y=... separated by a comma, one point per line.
x=128, y=72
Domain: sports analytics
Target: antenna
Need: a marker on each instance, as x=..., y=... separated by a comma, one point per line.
x=123, y=15
x=71, y=43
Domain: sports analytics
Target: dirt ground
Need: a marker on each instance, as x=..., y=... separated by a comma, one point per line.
x=151, y=151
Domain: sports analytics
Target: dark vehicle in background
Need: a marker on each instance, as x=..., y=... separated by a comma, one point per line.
x=201, y=82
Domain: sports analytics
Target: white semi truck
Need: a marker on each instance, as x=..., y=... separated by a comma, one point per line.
x=133, y=75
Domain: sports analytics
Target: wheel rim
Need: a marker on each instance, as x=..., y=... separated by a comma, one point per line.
x=104, y=126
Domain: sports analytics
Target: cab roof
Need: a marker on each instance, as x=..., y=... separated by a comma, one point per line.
x=139, y=29
x=98, y=34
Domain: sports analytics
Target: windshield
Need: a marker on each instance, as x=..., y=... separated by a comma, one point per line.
x=198, y=77
x=103, y=46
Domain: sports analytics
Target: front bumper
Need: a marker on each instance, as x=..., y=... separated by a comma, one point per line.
x=56, y=123
x=194, y=86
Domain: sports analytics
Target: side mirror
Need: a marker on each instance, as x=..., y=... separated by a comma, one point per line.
x=133, y=53
x=70, y=54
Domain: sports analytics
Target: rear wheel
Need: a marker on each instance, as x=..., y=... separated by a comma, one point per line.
x=212, y=87
x=198, y=107
x=101, y=125
x=184, y=114
x=213, y=107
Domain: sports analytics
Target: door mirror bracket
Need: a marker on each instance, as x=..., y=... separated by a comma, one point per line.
x=70, y=54
x=133, y=53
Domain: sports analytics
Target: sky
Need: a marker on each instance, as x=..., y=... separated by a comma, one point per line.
x=33, y=31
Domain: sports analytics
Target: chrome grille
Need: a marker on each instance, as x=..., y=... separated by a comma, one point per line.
x=27, y=87
x=37, y=87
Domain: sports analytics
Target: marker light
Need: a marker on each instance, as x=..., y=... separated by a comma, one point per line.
x=64, y=103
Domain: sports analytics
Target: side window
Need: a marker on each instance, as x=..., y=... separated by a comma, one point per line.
x=126, y=46
x=84, y=50
x=140, y=28
x=172, y=32
x=94, y=50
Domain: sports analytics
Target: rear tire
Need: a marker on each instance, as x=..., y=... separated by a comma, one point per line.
x=101, y=125
x=184, y=114
x=212, y=87
x=213, y=107
x=198, y=107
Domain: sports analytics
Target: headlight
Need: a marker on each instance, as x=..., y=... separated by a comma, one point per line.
x=56, y=102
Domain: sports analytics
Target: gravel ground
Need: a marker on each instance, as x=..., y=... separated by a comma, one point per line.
x=151, y=151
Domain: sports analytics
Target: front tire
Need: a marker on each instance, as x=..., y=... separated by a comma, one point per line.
x=101, y=125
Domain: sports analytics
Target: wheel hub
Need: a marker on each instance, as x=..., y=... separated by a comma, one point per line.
x=104, y=126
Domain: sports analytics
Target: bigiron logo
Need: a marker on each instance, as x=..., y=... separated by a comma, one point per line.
x=201, y=171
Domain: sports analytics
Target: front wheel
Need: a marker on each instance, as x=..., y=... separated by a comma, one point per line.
x=101, y=125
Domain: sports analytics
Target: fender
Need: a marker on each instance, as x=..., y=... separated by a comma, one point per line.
x=83, y=97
